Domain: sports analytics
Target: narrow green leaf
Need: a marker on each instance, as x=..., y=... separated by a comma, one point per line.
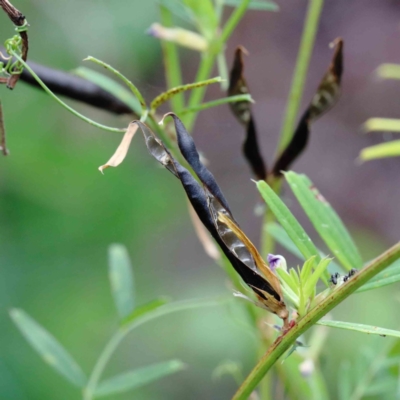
x=165, y=96
x=385, y=385
x=254, y=5
x=121, y=279
x=317, y=274
x=393, y=270
x=205, y=16
x=48, y=347
x=288, y=221
x=139, y=377
x=294, y=276
x=376, y=284
x=382, y=150
x=306, y=269
x=388, y=71
x=372, y=330
x=110, y=86
x=59, y=101
x=279, y=234
x=289, y=280
x=144, y=309
x=382, y=125
x=325, y=220
x=124, y=79
x=177, y=8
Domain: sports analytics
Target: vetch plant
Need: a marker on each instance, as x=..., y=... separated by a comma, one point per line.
x=297, y=296
x=130, y=316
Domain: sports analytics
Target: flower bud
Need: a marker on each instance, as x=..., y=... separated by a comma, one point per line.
x=276, y=261
x=182, y=37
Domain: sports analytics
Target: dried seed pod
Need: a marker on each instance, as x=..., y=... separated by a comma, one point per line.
x=266, y=286
x=208, y=202
x=189, y=151
x=242, y=111
x=324, y=99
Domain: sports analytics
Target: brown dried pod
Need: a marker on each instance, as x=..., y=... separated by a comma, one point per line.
x=242, y=111
x=324, y=99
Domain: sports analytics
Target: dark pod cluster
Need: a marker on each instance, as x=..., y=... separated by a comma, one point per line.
x=325, y=97
x=213, y=210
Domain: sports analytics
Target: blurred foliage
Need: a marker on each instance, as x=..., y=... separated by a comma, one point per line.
x=58, y=215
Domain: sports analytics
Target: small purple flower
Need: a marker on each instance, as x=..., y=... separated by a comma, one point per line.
x=276, y=261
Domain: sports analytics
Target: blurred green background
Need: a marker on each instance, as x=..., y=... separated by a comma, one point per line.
x=58, y=214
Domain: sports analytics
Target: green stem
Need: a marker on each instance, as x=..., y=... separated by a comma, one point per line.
x=101, y=364
x=282, y=343
x=208, y=60
x=223, y=71
x=196, y=97
x=300, y=73
x=111, y=346
x=172, y=66
x=267, y=240
x=70, y=109
x=233, y=21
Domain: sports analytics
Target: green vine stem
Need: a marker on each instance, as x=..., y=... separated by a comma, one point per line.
x=267, y=241
x=208, y=60
x=172, y=67
x=283, y=342
x=300, y=73
x=70, y=109
x=123, y=331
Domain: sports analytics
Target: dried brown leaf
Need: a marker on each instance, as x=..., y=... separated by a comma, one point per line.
x=122, y=149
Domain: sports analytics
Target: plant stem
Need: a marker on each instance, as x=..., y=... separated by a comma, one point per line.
x=267, y=241
x=232, y=22
x=283, y=342
x=196, y=97
x=215, y=103
x=101, y=363
x=208, y=60
x=300, y=73
x=70, y=109
x=172, y=66
x=122, y=332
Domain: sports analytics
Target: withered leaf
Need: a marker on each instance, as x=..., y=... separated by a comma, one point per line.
x=324, y=99
x=122, y=149
x=242, y=111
